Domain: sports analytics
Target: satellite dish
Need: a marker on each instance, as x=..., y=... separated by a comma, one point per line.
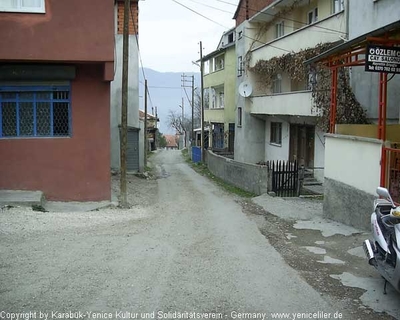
x=245, y=89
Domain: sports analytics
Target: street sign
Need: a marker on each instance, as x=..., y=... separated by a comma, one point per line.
x=382, y=59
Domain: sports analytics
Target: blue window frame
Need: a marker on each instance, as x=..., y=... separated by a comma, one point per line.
x=38, y=111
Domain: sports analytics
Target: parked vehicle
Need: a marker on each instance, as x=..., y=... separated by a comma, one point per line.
x=383, y=251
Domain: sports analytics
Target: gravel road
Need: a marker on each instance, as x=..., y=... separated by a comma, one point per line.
x=184, y=246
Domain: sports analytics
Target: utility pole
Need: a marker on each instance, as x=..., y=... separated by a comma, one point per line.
x=202, y=100
x=124, y=106
x=145, y=123
x=192, y=134
x=185, y=84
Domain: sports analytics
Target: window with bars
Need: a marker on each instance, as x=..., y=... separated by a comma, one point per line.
x=35, y=112
x=32, y=6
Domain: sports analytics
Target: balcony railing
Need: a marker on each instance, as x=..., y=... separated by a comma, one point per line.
x=330, y=29
x=297, y=103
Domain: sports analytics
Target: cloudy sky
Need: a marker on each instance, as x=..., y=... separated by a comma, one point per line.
x=169, y=34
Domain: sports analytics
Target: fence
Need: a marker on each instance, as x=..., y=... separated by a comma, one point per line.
x=285, y=178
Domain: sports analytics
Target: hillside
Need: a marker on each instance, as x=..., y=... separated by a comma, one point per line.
x=165, y=93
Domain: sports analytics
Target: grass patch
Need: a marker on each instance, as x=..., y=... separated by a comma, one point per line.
x=202, y=169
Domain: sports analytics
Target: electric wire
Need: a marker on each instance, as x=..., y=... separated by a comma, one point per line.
x=283, y=18
x=140, y=56
x=215, y=8
x=194, y=11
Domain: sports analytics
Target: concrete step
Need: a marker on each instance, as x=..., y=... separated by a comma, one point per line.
x=21, y=198
x=311, y=182
x=313, y=189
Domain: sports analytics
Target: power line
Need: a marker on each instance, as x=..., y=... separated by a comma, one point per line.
x=283, y=18
x=201, y=15
x=227, y=27
x=206, y=5
x=140, y=56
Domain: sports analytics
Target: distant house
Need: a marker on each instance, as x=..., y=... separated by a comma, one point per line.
x=151, y=130
x=135, y=155
x=220, y=73
x=172, y=141
x=57, y=61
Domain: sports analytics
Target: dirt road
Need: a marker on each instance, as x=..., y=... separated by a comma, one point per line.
x=184, y=246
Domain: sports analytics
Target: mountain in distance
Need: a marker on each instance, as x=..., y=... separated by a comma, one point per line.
x=165, y=93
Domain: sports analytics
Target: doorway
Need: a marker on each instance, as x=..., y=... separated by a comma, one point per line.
x=302, y=144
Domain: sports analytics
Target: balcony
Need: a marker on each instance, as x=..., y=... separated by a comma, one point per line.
x=297, y=103
x=307, y=37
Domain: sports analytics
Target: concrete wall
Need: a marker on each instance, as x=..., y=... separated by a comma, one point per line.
x=75, y=168
x=273, y=151
x=366, y=16
x=347, y=204
x=307, y=37
x=249, y=177
x=72, y=30
x=294, y=103
x=354, y=161
x=116, y=97
x=365, y=86
x=352, y=174
x=250, y=137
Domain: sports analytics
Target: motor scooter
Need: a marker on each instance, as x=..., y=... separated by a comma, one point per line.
x=383, y=250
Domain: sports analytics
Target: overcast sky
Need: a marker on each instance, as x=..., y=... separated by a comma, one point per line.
x=169, y=34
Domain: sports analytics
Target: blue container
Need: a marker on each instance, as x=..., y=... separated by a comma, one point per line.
x=196, y=154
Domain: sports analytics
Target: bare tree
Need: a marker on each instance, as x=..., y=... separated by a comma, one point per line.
x=175, y=121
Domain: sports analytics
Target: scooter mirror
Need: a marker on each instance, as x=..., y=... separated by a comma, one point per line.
x=384, y=193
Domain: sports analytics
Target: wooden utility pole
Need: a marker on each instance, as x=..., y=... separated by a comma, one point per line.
x=124, y=106
x=192, y=134
x=202, y=100
x=145, y=123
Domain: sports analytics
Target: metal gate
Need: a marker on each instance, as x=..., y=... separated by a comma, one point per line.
x=132, y=152
x=285, y=178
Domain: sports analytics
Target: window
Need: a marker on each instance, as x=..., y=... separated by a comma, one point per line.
x=313, y=16
x=239, y=123
x=240, y=66
x=337, y=6
x=33, y=6
x=231, y=37
x=219, y=63
x=276, y=133
x=206, y=67
x=240, y=35
x=35, y=112
x=279, y=29
x=277, y=84
x=206, y=95
x=221, y=100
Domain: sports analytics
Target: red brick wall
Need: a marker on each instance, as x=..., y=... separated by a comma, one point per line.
x=70, y=31
x=133, y=24
x=68, y=169
x=249, y=8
